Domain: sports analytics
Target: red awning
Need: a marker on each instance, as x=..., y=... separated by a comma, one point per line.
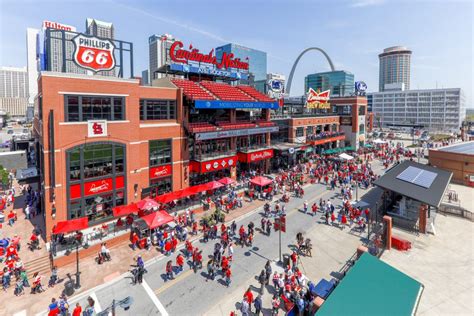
x=123, y=210
x=157, y=219
x=226, y=181
x=71, y=225
x=261, y=181
x=147, y=204
x=214, y=185
x=181, y=194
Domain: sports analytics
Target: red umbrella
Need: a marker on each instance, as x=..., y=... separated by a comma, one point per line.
x=157, y=219
x=226, y=181
x=261, y=181
x=214, y=185
x=147, y=204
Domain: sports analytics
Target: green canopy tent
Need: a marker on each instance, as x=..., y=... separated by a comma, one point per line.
x=373, y=287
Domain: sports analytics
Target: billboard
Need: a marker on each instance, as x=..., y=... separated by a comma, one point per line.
x=220, y=104
x=93, y=53
x=318, y=100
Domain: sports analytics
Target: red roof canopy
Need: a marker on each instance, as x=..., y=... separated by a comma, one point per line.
x=176, y=195
x=71, y=225
x=157, y=219
x=123, y=210
x=261, y=181
x=147, y=204
x=226, y=181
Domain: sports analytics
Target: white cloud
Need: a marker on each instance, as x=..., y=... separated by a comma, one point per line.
x=366, y=3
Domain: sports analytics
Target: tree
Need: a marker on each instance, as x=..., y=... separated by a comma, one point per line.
x=4, y=176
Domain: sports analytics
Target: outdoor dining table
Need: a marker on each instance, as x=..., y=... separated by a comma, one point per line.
x=323, y=288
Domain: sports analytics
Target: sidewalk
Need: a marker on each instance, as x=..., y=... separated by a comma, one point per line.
x=93, y=274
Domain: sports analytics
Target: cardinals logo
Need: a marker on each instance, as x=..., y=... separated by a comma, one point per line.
x=317, y=100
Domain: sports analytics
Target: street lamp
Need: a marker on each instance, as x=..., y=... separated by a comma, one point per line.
x=125, y=304
x=77, y=243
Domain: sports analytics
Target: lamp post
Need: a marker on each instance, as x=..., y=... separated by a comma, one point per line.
x=78, y=273
x=125, y=304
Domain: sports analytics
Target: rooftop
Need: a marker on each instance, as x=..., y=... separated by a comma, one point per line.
x=389, y=291
x=463, y=148
x=425, y=191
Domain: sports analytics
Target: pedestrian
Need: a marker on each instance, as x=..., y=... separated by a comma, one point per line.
x=245, y=307
x=230, y=251
x=180, y=262
x=275, y=304
x=305, y=206
x=169, y=270
x=210, y=270
x=294, y=258
x=249, y=295
x=77, y=310
x=268, y=272
x=63, y=306
x=54, y=277
x=89, y=311
x=258, y=304
x=261, y=280
x=228, y=274
x=53, y=308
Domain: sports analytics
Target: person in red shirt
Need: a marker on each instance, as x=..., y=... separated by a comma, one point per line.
x=315, y=209
x=224, y=263
x=189, y=249
x=34, y=241
x=180, y=262
x=168, y=246
x=228, y=274
x=343, y=221
x=249, y=295
x=77, y=310
x=174, y=244
x=11, y=251
x=134, y=239
x=11, y=218
x=195, y=228
x=294, y=258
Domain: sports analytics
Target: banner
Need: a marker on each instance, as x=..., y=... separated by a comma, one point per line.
x=160, y=171
x=255, y=156
x=219, y=104
x=95, y=187
x=213, y=165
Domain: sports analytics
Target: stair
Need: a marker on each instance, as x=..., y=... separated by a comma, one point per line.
x=40, y=264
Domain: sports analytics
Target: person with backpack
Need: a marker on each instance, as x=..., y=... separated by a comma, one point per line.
x=169, y=270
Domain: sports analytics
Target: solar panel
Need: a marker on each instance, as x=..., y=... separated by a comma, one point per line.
x=417, y=176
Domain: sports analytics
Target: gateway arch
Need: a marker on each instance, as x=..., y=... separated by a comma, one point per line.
x=290, y=78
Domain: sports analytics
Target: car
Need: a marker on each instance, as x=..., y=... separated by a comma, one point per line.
x=10, y=131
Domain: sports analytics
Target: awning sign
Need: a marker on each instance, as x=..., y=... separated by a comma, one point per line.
x=160, y=171
x=236, y=132
x=213, y=165
x=255, y=156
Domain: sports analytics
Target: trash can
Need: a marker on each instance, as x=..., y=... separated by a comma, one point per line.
x=286, y=260
x=69, y=288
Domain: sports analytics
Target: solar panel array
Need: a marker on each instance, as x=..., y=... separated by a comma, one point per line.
x=423, y=178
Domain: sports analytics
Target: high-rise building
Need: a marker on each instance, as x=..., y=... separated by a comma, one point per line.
x=257, y=59
x=340, y=82
x=55, y=58
x=437, y=110
x=104, y=30
x=394, y=67
x=32, y=63
x=99, y=28
x=158, y=50
x=145, y=77
x=13, y=90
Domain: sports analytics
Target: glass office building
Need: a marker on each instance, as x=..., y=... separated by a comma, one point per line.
x=341, y=83
x=257, y=59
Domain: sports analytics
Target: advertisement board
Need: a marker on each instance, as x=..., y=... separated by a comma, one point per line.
x=208, y=71
x=235, y=132
x=160, y=171
x=220, y=104
x=318, y=100
x=213, y=165
x=93, y=53
x=255, y=156
x=95, y=187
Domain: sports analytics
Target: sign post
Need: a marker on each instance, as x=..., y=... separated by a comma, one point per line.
x=280, y=225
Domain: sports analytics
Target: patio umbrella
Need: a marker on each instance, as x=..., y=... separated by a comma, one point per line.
x=226, y=181
x=123, y=210
x=147, y=204
x=157, y=219
x=261, y=181
x=65, y=227
x=214, y=185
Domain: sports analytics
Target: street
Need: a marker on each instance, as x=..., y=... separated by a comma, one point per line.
x=191, y=294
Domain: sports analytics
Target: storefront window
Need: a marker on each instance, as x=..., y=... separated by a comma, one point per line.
x=299, y=131
x=160, y=186
x=309, y=130
x=160, y=152
x=157, y=110
x=84, y=108
x=96, y=180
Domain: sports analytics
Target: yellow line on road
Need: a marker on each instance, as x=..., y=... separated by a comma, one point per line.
x=177, y=279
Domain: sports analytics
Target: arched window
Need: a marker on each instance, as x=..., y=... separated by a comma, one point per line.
x=96, y=180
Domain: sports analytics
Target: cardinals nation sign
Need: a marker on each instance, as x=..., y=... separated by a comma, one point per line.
x=94, y=53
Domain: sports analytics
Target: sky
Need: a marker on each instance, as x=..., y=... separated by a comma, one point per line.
x=352, y=32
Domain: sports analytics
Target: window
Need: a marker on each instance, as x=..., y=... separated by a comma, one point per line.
x=157, y=110
x=299, y=131
x=96, y=163
x=84, y=108
x=160, y=152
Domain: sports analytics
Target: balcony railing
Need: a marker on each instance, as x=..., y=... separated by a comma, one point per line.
x=323, y=135
x=213, y=155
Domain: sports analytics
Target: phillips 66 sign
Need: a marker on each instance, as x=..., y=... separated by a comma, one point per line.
x=94, y=53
